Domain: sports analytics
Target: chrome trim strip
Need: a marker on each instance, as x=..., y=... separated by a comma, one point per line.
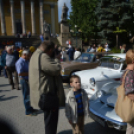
x=65, y=75
x=107, y=119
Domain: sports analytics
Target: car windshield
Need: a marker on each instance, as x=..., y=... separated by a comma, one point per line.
x=85, y=57
x=111, y=62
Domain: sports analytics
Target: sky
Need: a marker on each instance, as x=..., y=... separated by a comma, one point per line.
x=60, y=5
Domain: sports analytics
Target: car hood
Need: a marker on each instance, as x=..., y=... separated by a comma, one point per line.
x=68, y=64
x=99, y=73
x=104, y=110
x=109, y=94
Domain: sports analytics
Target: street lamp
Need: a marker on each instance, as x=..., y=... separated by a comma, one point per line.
x=76, y=31
x=76, y=34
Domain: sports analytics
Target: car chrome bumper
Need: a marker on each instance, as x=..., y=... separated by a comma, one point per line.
x=65, y=78
x=105, y=121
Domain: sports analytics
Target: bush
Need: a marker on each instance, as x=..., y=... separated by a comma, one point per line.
x=115, y=50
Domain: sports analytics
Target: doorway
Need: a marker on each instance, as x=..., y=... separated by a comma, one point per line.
x=18, y=26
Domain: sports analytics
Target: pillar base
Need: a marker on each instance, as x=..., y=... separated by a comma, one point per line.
x=4, y=34
x=46, y=35
x=34, y=34
x=14, y=34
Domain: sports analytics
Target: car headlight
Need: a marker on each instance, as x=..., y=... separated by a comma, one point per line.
x=92, y=81
x=100, y=93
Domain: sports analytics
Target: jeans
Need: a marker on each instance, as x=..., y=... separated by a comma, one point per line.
x=26, y=96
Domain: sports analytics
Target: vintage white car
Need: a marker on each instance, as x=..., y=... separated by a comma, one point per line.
x=110, y=69
x=102, y=109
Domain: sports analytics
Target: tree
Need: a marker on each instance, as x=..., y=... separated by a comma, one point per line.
x=83, y=16
x=114, y=17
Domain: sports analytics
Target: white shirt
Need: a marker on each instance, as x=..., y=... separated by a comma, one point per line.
x=106, y=49
x=63, y=54
x=67, y=42
x=69, y=46
x=77, y=54
x=92, y=50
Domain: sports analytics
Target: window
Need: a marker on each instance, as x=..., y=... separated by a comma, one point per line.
x=110, y=62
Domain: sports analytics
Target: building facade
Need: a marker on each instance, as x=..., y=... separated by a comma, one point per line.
x=22, y=16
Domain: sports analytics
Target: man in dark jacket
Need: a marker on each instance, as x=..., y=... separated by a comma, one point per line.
x=15, y=53
x=70, y=53
x=3, y=61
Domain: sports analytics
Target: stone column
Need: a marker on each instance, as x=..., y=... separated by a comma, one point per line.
x=2, y=15
x=33, y=18
x=23, y=16
x=53, y=19
x=41, y=8
x=12, y=17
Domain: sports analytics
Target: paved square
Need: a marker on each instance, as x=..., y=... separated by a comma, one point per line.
x=13, y=111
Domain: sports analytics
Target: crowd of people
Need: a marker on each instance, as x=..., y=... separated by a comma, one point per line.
x=22, y=65
x=99, y=48
x=26, y=35
x=14, y=63
x=40, y=80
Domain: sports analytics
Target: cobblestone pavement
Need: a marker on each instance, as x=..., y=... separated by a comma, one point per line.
x=12, y=110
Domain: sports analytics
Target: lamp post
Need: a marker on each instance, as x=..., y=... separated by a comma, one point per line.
x=75, y=32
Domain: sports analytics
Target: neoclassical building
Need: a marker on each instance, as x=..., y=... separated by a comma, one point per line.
x=21, y=16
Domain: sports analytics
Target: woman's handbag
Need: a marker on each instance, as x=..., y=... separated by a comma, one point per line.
x=48, y=101
x=124, y=105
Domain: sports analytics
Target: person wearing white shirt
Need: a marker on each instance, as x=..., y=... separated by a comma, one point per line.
x=77, y=53
x=106, y=47
x=63, y=54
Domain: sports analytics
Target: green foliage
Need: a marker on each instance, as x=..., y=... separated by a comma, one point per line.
x=83, y=16
x=115, y=50
x=100, y=18
x=114, y=16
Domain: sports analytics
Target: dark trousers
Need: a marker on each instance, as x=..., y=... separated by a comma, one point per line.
x=5, y=73
x=1, y=69
x=10, y=72
x=51, y=121
x=26, y=96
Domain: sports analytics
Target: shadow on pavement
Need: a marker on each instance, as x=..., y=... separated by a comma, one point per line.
x=4, y=85
x=66, y=132
x=8, y=98
x=6, y=128
x=4, y=90
x=94, y=128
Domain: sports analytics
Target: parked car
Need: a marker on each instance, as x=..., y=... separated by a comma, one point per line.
x=102, y=109
x=111, y=68
x=85, y=61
